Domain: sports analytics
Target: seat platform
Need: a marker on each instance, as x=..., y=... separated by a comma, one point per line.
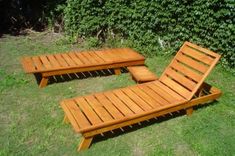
x=73, y=62
x=118, y=105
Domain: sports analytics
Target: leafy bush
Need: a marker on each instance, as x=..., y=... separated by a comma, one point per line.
x=156, y=26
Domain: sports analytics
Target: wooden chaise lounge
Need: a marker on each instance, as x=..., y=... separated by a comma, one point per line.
x=181, y=86
x=73, y=62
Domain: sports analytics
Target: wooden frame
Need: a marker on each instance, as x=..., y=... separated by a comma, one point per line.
x=181, y=86
x=213, y=93
x=74, y=62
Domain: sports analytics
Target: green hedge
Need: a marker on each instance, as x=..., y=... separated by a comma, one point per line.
x=157, y=26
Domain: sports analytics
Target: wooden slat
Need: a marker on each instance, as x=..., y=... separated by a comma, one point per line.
x=38, y=63
x=109, y=106
x=166, y=96
x=151, y=93
x=113, y=55
x=28, y=64
x=175, y=86
x=82, y=58
x=118, y=103
x=88, y=57
x=74, y=57
x=69, y=115
x=118, y=53
x=53, y=61
x=147, y=98
x=96, y=57
x=168, y=90
x=197, y=55
x=133, y=106
x=126, y=54
x=192, y=63
x=181, y=79
x=78, y=115
x=206, y=51
x=105, y=57
x=131, y=53
x=45, y=62
x=69, y=61
x=90, y=114
x=96, y=53
x=98, y=107
x=186, y=71
x=157, y=96
x=144, y=105
x=61, y=60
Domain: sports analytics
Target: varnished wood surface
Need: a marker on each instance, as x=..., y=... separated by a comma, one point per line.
x=74, y=60
x=141, y=74
x=115, y=105
x=188, y=69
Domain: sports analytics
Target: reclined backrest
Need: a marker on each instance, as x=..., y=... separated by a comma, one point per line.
x=189, y=68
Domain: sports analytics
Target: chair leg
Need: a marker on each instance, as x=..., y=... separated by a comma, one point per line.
x=43, y=82
x=189, y=111
x=85, y=143
x=66, y=120
x=117, y=71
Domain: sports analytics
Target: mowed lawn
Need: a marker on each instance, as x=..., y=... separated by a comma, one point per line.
x=31, y=118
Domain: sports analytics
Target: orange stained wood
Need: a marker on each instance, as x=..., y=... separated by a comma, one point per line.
x=111, y=106
x=152, y=94
x=38, y=63
x=85, y=122
x=173, y=91
x=76, y=60
x=188, y=69
x=141, y=73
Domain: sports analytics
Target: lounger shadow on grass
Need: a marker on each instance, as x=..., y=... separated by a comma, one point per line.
x=78, y=76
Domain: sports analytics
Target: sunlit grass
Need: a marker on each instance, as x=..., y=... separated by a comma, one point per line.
x=31, y=118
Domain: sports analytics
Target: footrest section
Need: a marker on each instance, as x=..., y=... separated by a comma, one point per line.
x=141, y=74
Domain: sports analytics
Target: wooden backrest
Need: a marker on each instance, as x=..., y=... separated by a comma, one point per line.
x=189, y=68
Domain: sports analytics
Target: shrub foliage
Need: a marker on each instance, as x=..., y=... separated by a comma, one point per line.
x=157, y=25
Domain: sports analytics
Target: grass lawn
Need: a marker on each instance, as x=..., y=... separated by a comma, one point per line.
x=31, y=118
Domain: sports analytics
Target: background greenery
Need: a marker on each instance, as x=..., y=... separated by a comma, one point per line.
x=152, y=27
x=155, y=27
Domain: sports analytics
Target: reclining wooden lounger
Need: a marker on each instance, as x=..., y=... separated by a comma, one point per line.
x=181, y=86
x=73, y=62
